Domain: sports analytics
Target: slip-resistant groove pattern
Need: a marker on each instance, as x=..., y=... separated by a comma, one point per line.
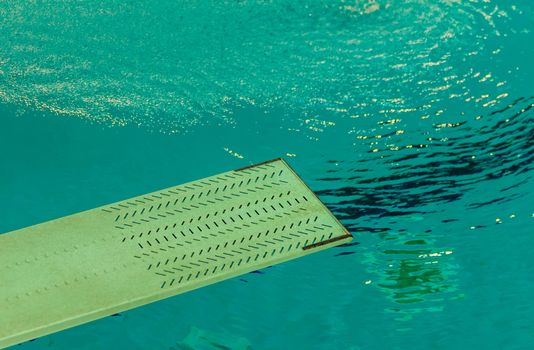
x=93, y=264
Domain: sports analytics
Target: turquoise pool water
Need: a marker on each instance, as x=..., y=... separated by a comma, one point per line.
x=413, y=121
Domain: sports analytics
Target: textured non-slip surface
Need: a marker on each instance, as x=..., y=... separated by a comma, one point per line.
x=89, y=265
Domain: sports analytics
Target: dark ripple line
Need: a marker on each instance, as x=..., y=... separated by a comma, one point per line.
x=445, y=180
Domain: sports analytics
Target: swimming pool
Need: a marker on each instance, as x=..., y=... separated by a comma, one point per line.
x=412, y=120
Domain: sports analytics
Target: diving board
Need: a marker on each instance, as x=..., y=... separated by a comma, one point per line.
x=93, y=264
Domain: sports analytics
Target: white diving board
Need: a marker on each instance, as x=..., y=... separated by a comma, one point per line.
x=90, y=265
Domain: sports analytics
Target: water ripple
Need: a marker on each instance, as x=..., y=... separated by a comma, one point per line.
x=176, y=65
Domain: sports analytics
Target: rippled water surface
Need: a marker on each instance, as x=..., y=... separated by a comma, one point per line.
x=413, y=120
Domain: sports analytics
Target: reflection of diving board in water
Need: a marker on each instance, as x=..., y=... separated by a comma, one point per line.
x=96, y=263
